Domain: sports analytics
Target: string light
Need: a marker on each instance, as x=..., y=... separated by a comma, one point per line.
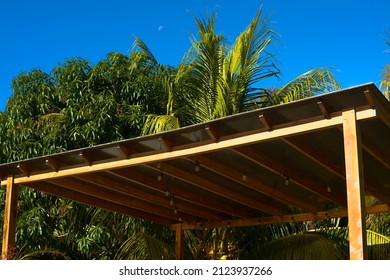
x=287, y=181
x=244, y=177
x=159, y=177
x=197, y=167
x=172, y=201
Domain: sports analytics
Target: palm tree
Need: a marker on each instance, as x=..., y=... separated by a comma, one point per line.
x=216, y=80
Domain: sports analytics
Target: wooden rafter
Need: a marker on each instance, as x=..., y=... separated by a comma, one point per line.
x=87, y=157
x=316, y=154
x=223, y=191
x=125, y=150
x=320, y=157
x=54, y=165
x=375, y=152
x=119, y=198
x=325, y=108
x=197, y=198
x=25, y=169
x=294, y=175
x=211, y=131
x=98, y=202
x=166, y=144
x=256, y=184
x=158, y=197
x=322, y=215
x=266, y=121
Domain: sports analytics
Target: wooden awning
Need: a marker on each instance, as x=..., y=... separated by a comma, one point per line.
x=278, y=164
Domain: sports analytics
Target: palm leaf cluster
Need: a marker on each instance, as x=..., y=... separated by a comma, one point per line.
x=216, y=79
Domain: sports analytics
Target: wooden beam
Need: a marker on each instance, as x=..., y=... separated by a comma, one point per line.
x=87, y=157
x=370, y=98
x=53, y=164
x=355, y=187
x=9, y=230
x=125, y=150
x=179, y=241
x=259, y=203
x=257, y=184
x=266, y=121
x=375, y=152
x=211, y=147
x=106, y=194
x=316, y=154
x=325, y=108
x=97, y=202
x=212, y=132
x=383, y=108
x=194, y=196
x=166, y=145
x=320, y=157
x=116, y=183
x=323, y=215
x=24, y=168
x=296, y=176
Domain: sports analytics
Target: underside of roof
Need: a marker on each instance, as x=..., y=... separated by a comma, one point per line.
x=275, y=164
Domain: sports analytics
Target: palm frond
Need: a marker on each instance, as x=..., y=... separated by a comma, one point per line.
x=141, y=45
x=159, y=123
x=306, y=246
x=142, y=246
x=385, y=87
x=315, y=81
x=145, y=55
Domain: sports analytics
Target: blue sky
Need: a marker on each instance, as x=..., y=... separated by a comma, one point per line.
x=346, y=35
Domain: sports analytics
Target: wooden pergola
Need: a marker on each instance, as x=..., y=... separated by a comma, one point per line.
x=312, y=159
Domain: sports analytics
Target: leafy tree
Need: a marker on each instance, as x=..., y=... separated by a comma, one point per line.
x=75, y=105
x=385, y=83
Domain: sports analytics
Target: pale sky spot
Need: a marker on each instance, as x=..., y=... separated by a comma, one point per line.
x=160, y=27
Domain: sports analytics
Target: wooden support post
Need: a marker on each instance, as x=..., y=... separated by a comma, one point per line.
x=179, y=242
x=355, y=187
x=9, y=231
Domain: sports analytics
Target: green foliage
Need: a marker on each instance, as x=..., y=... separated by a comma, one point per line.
x=300, y=247
x=385, y=74
x=315, y=81
x=216, y=79
x=122, y=96
x=142, y=246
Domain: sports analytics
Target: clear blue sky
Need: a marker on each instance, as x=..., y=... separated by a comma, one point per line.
x=347, y=35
